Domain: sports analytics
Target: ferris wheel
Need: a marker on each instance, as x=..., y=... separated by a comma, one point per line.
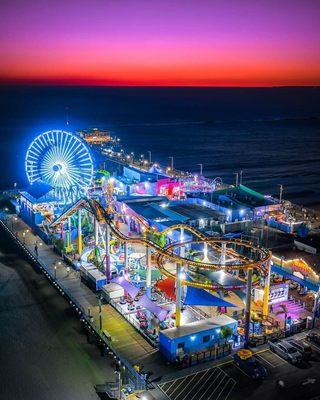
x=62, y=160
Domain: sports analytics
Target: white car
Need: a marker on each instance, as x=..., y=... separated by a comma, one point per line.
x=285, y=350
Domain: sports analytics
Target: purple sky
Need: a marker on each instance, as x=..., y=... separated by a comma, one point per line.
x=230, y=42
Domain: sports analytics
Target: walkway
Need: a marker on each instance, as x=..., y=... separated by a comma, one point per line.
x=126, y=340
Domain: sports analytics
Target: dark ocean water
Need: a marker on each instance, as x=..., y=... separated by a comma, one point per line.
x=273, y=135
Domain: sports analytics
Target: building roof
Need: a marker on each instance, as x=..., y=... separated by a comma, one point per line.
x=39, y=192
x=243, y=196
x=196, y=211
x=240, y=197
x=198, y=326
x=151, y=208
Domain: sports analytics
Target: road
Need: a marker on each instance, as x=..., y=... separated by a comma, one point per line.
x=43, y=351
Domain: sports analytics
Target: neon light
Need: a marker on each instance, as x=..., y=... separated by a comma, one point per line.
x=62, y=160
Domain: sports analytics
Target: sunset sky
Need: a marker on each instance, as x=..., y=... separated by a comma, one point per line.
x=161, y=42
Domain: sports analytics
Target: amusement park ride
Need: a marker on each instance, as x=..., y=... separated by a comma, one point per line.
x=64, y=161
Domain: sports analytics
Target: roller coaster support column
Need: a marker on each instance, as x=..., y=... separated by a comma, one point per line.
x=205, y=252
x=68, y=233
x=126, y=260
x=266, y=291
x=178, y=295
x=108, y=270
x=182, y=248
x=96, y=237
x=223, y=253
x=79, y=232
x=248, y=308
x=148, y=274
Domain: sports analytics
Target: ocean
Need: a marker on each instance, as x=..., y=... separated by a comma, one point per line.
x=271, y=134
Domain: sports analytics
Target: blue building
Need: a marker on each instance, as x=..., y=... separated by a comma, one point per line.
x=195, y=336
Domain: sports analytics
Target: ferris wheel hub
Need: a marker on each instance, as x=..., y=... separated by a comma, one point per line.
x=57, y=167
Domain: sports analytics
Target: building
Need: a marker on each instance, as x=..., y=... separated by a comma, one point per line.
x=194, y=337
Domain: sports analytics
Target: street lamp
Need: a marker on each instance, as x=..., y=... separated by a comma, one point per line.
x=100, y=312
x=280, y=194
x=149, y=156
x=15, y=219
x=118, y=373
x=171, y=158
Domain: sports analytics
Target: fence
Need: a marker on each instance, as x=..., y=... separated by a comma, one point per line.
x=212, y=353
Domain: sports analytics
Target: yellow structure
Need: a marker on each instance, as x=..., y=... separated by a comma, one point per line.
x=265, y=310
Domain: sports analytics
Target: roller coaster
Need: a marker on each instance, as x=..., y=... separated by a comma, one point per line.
x=258, y=261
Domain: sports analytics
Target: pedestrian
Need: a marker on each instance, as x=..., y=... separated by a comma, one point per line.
x=36, y=249
x=271, y=308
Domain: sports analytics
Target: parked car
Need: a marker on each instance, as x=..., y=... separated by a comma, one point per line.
x=123, y=300
x=131, y=307
x=313, y=337
x=250, y=365
x=303, y=347
x=285, y=350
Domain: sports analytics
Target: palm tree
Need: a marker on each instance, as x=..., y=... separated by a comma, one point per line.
x=226, y=332
x=283, y=310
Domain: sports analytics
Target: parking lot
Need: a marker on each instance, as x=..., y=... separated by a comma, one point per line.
x=228, y=382
x=211, y=384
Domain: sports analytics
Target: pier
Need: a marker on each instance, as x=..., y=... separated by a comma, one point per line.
x=128, y=346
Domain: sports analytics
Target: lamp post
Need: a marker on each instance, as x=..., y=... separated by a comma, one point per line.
x=55, y=268
x=237, y=178
x=100, y=313
x=118, y=373
x=280, y=193
x=201, y=167
x=149, y=152
x=171, y=158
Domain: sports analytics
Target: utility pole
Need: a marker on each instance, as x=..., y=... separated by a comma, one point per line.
x=280, y=194
x=237, y=178
x=171, y=158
